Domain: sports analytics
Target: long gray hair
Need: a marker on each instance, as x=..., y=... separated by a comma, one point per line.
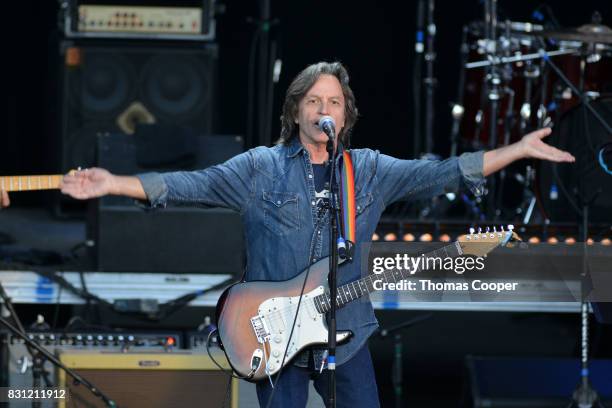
x=300, y=86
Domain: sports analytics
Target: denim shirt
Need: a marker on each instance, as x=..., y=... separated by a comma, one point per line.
x=273, y=189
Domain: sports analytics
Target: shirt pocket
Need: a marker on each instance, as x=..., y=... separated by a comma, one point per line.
x=363, y=202
x=281, y=212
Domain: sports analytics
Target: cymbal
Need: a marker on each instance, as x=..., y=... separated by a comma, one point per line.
x=588, y=33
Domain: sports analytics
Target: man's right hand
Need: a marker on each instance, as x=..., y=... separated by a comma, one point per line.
x=4, y=199
x=88, y=183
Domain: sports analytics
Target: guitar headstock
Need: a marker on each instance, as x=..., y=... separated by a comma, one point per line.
x=480, y=243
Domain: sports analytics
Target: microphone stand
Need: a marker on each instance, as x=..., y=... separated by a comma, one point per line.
x=584, y=396
x=396, y=370
x=416, y=78
x=41, y=354
x=430, y=81
x=333, y=271
x=493, y=82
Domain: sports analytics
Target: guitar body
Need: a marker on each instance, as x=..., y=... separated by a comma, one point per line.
x=258, y=315
x=255, y=318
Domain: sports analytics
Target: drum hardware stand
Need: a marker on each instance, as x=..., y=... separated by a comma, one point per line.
x=542, y=112
x=509, y=116
x=508, y=125
x=529, y=198
x=532, y=72
x=458, y=109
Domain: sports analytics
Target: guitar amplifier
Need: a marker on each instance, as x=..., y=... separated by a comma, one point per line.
x=16, y=361
x=149, y=20
x=149, y=380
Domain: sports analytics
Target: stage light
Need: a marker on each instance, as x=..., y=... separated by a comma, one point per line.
x=375, y=237
x=571, y=240
x=552, y=240
x=590, y=241
x=408, y=237
x=426, y=237
x=445, y=238
x=534, y=240
x=390, y=236
x=606, y=241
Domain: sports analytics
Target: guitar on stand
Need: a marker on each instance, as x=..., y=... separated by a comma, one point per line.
x=255, y=319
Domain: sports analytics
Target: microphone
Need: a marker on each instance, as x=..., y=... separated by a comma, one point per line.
x=328, y=125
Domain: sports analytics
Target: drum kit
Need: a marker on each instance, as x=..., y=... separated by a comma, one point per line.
x=517, y=77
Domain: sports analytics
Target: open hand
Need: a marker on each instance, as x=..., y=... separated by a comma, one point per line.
x=532, y=146
x=88, y=183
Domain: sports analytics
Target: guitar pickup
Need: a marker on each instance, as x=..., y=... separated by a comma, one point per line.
x=261, y=329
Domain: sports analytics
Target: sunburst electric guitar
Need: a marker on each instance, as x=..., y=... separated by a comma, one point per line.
x=254, y=319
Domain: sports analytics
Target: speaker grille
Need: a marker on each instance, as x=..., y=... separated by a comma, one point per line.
x=170, y=84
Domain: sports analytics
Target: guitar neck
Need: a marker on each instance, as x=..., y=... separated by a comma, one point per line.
x=30, y=183
x=361, y=287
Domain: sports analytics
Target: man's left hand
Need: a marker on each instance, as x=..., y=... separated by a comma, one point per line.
x=532, y=146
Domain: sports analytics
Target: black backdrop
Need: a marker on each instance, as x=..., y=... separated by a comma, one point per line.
x=375, y=41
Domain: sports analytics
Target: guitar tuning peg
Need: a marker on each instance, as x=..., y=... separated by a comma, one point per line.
x=502, y=228
x=510, y=227
x=494, y=228
x=479, y=230
x=487, y=229
x=472, y=230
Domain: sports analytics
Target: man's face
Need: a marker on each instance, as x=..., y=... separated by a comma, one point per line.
x=325, y=97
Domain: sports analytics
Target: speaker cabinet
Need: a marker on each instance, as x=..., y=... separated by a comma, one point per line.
x=109, y=87
x=170, y=240
x=149, y=380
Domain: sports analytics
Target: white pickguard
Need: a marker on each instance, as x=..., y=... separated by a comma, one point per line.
x=310, y=328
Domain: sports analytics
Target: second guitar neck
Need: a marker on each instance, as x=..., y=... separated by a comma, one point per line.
x=30, y=183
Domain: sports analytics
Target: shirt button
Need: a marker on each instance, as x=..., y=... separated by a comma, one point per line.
x=313, y=203
x=278, y=202
x=358, y=208
x=314, y=259
x=310, y=176
x=319, y=232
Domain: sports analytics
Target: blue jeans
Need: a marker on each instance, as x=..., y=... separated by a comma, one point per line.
x=355, y=385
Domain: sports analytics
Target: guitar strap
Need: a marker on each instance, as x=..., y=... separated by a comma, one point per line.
x=348, y=211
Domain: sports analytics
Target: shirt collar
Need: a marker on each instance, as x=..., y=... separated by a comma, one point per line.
x=294, y=147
